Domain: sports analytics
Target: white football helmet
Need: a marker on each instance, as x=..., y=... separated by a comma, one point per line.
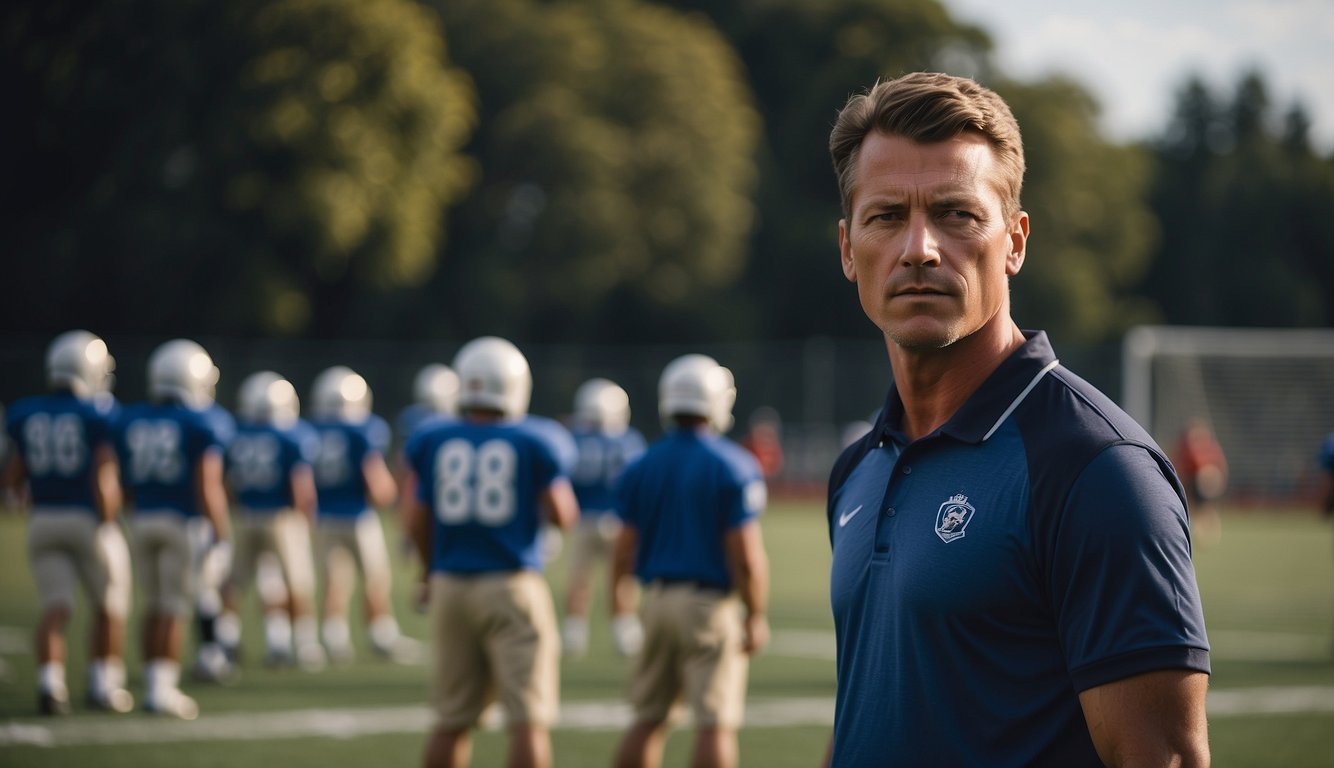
x=267, y=398
x=602, y=404
x=180, y=368
x=341, y=393
x=493, y=376
x=696, y=385
x=437, y=388
x=79, y=360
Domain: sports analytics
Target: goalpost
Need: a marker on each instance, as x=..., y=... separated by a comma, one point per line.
x=1268, y=394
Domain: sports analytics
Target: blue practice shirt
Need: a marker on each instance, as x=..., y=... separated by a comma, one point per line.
x=1034, y=546
x=601, y=457
x=343, y=447
x=482, y=483
x=1326, y=457
x=261, y=460
x=56, y=435
x=160, y=446
x=682, y=496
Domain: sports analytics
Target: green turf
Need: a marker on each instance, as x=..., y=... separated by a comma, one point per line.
x=1268, y=587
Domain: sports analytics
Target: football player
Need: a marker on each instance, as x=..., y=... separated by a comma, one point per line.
x=484, y=487
x=171, y=451
x=606, y=443
x=435, y=395
x=690, y=532
x=352, y=482
x=64, y=464
x=269, y=472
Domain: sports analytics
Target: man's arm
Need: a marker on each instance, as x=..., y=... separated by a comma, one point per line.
x=304, y=497
x=624, y=553
x=380, y=486
x=749, y=564
x=560, y=504
x=1152, y=719
x=212, y=493
x=106, y=482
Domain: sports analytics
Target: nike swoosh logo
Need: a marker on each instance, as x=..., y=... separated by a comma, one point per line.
x=846, y=516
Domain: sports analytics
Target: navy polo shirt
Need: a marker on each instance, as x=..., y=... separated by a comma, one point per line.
x=1034, y=546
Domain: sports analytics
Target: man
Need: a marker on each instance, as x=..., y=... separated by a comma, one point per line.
x=690, y=533
x=171, y=450
x=1202, y=467
x=352, y=482
x=1011, y=579
x=270, y=477
x=64, y=464
x=485, y=485
x=606, y=443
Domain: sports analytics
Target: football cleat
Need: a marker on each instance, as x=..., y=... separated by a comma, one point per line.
x=574, y=636
x=116, y=700
x=213, y=666
x=311, y=658
x=172, y=703
x=493, y=376
x=403, y=650
x=49, y=703
x=696, y=385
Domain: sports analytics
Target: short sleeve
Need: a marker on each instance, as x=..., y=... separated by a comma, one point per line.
x=1120, y=577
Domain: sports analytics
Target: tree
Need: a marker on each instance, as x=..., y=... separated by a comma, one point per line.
x=264, y=160
x=616, y=149
x=1243, y=203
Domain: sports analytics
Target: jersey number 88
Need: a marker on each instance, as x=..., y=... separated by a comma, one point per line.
x=475, y=484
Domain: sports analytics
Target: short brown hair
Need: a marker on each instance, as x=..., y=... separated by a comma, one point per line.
x=928, y=107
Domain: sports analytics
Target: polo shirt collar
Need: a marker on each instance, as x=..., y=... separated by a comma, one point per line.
x=987, y=408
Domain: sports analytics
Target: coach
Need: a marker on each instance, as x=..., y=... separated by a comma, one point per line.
x=1011, y=579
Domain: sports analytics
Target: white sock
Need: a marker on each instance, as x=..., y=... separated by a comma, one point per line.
x=278, y=631
x=227, y=629
x=51, y=679
x=161, y=677
x=384, y=631
x=115, y=672
x=336, y=633
x=305, y=632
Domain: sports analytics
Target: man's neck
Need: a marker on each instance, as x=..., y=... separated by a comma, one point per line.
x=933, y=384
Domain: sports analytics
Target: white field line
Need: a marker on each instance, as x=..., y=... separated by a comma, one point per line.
x=582, y=716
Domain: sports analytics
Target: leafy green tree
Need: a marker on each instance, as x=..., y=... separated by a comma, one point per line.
x=617, y=157
x=241, y=167
x=1244, y=201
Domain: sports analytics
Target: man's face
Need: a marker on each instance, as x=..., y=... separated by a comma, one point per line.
x=926, y=240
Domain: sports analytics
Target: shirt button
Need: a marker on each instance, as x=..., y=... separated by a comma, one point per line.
x=891, y=512
x=907, y=470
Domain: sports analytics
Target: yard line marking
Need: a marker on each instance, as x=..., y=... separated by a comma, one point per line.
x=602, y=715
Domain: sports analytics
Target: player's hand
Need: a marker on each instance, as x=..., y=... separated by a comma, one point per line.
x=757, y=633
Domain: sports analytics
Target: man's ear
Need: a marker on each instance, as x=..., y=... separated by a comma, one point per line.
x=845, y=251
x=1014, y=260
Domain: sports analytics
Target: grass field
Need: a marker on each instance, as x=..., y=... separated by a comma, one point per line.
x=1268, y=588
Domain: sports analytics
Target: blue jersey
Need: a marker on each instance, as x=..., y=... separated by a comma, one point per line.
x=56, y=436
x=682, y=496
x=1326, y=456
x=482, y=483
x=160, y=446
x=1034, y=546
x=558, y=437
x=343, y=446
x=414, y=416
x=601, y=457
x=261, y=459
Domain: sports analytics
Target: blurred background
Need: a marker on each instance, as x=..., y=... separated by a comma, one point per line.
x=610, y=183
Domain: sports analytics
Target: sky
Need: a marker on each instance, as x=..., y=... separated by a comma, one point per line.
x=1134, y=55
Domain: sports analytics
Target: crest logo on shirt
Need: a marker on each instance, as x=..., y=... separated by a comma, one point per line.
x=953, y=517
